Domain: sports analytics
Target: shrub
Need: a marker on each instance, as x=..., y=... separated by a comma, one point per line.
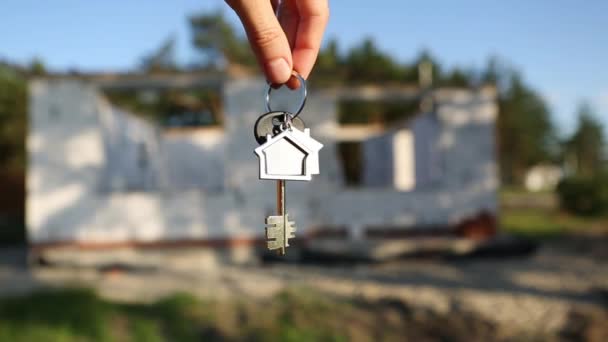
x=585, y=196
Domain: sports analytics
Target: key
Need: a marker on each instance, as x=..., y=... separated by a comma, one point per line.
x=291, y=154
x=286, y=152
x=279, y=229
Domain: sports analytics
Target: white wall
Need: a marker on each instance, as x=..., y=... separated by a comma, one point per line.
x=204, y=184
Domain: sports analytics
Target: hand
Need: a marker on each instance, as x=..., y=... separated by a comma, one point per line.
x=289, y=42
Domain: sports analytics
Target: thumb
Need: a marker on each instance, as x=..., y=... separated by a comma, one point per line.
x=266, y=37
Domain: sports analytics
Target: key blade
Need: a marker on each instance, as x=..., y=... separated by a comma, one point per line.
x=276, y=232
x=291, y=230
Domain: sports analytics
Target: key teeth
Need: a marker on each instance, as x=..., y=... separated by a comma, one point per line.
x=274, y=232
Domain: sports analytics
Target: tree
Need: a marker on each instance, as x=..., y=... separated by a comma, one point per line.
x=456, y=78
x=585, y=148
x=219, y=42
x=163, y=59
x=37, y=67
x=365, y=63
x=525, y=133
x=13, y=128
x=13, y=118
x=329, y=68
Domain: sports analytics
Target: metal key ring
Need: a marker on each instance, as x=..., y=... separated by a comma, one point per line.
x=304, y=95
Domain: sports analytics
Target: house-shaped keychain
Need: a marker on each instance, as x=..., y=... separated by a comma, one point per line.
x=290, y=155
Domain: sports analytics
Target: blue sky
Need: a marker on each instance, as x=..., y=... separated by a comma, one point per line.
x=561, y=47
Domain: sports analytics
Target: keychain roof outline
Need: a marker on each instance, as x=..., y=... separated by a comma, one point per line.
x=301, y=140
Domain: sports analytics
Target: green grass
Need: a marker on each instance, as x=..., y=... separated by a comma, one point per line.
x=79, y=315
x=531, y=223
x=542, y=224
x=537, y=216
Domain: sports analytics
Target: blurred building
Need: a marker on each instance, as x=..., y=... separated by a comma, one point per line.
x=103, y=178
x=543, y=177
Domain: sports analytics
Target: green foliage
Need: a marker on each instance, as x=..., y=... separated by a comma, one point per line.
x=536, y=224
x=79, y=315
x=585, y=148
x=179, y=312
x=173, y=107
x=585, y=196
x=376, y=112
x=58, y=316
x=13, y=118
x=219, y=41
x=586, y=191
x=13, y=128
x=491, y=74
x=525, y=132
x=367, y=64
x=161, y=60
x=37, y=67
x=456, y=78
x=545, y=222
x=329, y=68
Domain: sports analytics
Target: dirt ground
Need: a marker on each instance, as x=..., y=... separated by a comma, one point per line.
x=560, y=291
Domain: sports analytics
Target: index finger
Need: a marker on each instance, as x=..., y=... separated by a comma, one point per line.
x=313, y=19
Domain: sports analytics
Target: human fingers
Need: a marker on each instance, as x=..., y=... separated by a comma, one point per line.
x=266, y=37
x=313, y=17
x=289, y=18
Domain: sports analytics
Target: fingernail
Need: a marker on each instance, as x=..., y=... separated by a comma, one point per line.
x=278, y=71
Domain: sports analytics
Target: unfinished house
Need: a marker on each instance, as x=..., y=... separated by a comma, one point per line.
x=103, y=177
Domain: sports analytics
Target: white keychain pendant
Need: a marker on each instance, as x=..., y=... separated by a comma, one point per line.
x=290, y=155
